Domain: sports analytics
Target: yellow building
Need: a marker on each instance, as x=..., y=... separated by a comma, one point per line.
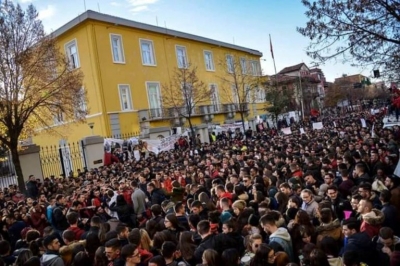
x=125, y=64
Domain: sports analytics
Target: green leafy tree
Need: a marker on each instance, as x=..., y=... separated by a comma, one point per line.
x=278, y=99
x=363, y=33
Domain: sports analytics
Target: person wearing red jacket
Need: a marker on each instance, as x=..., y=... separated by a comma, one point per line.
x=38, y=217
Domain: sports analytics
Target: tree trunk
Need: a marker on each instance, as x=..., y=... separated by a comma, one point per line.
x=192, y=134
x=18, y=169
x=243, y=126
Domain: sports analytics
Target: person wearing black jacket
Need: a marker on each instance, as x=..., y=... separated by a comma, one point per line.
x=32, y=188
x=219, y=242
x=124, y=210
x=59, y=212
x=339, y=205
x=156, y=194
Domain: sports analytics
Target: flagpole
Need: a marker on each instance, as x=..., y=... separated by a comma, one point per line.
x=272, y=53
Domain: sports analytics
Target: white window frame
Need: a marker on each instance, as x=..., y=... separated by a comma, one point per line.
x=248, y=91
x=243, y=65
x=82, y=103
x=76, y=62
x=58, y=118
x=183, y=48
x=229, y=63
x=153, y=61
x=209, y=62
x=215, y=102
x=157, y=113
x=260, y=92
x=255, y=68
x=129, y=96
x=120, y=49
x=235, y=94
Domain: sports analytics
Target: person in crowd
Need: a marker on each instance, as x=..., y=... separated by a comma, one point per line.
x=51, y=257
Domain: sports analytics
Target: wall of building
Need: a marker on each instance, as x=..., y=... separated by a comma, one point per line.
x=102, y=77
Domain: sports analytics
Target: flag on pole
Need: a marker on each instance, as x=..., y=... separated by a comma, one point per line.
x=270, y=45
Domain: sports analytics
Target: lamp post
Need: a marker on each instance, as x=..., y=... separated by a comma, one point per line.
x=91, y=125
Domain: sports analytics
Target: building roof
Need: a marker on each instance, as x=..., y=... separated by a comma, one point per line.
x=92, y=15
x=291, y=68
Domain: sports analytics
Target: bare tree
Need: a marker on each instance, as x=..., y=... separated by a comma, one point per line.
x=364, y=33
x=37, y=81
x=335, y=94
x=184, y=94
x=240, y=83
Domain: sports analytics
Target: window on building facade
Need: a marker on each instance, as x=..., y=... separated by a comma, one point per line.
x=71, y=49
x=117, y=48
x=181, y=56
x=214, y=97
x=235, y=94
x=81, y=109
x=248, y=92
x=208, y=58
x=229, y=63
x=243, y=65
x=255, y=68
x=148, y=55
x=154, y=97
x=125, y=97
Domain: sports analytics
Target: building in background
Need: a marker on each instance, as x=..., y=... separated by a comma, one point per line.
x=125, y=64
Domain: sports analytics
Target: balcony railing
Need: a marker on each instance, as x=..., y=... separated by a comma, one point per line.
x=172, y=112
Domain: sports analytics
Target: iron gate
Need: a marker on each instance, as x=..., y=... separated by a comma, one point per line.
x=66, y=159
x=7, y=170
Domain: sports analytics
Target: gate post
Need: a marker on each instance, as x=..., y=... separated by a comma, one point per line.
x=29, y=158
x=93, y=148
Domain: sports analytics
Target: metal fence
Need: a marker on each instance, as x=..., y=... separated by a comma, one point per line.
x=66, y=160
x=7, y=170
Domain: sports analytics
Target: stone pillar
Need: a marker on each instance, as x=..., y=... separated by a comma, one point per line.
x=94, y=151
x=252, y=124
x=29, y=158
x=202, y=129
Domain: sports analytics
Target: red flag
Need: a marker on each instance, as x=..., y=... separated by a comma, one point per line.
x=270, y=46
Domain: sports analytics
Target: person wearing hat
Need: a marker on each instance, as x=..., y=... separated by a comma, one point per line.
x=51, y=257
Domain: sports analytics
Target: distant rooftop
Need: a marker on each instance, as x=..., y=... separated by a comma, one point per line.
x=291, y=68
x=92, y=15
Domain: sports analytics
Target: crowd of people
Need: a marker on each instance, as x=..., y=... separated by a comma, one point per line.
x=327, y=197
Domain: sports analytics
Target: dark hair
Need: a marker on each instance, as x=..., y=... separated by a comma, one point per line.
x=203, y=227
x=318, y=258
x=121, y=227
x=385, y=195
x=186, y=245
x=351, y=258
x=81, y=259
x=194, y=219
x=158, y=260
x=168, y=249
x=134, y=237
x=72, y=217
x=156, y=209
x=23, y=256
x=92, y=243
x=329, y=246
x=113, y=243
x=128, y=250
x=352, y=223
x=386, y=233
x=32, y=261
x=68, y=235
x=261, y=255
x=230, y=257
